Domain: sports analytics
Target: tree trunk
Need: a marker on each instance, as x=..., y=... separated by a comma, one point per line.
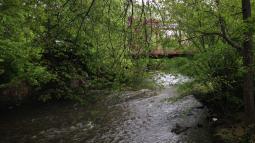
x=248, y=84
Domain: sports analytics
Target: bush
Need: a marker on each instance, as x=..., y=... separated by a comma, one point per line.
x=216, y=75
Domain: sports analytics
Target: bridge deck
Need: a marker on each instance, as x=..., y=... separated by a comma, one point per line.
x=157, y=54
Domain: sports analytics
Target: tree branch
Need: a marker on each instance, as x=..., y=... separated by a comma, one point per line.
x=83, y=20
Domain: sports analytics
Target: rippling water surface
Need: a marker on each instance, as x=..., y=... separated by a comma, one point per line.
x=143, y=116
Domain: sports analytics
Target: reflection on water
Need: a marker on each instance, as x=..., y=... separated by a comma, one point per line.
x=136, y=117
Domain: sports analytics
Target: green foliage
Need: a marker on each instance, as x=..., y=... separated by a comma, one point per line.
x=212, y=29
x=19, y=58
x=217, y=73
x=63, y=48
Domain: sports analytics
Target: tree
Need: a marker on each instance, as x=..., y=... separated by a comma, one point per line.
x=217, y=25
x=18, y=54
x=63, y=47
x=248, y=85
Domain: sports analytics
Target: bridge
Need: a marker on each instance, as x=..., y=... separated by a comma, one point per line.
x=163, y=53
x=159, y=53
x=157, y=28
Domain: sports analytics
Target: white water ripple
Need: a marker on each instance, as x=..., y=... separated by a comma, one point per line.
x=166, y=80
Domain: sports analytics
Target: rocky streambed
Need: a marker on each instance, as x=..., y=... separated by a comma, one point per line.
x=144, y=116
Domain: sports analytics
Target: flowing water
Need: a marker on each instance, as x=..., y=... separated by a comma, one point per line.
x=143, y=116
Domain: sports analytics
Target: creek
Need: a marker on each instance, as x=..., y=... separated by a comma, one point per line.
x=144, y=116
